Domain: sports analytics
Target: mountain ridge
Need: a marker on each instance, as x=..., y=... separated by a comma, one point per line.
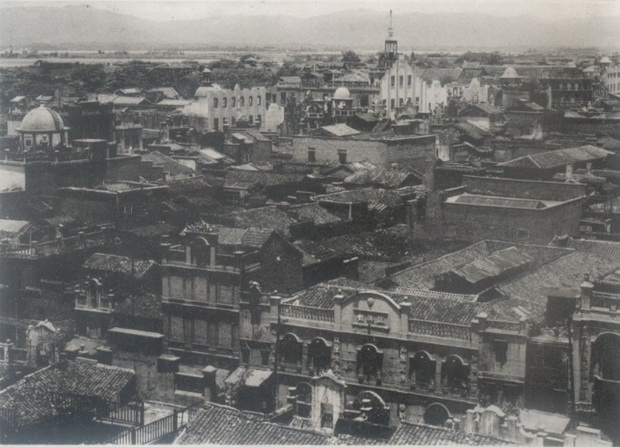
x=84, y=25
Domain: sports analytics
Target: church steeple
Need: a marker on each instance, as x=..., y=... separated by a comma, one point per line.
x=391, y=46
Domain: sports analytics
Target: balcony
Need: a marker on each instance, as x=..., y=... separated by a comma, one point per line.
x=439, y=329
x=38, y=250
x=307, y=313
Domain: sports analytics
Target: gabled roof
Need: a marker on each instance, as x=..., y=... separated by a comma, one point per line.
x=235, y=176
x=313, y=212
x=368, y=195
x=247, y=237
x=118, y=264
x=493, y=265
x=217, y=424
x=170, y=165
x=562, y=157
x=128, y=100
x=31, y=397
x=315, y=252
x=269, y=217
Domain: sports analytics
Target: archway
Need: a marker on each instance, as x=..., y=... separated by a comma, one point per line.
x=436, y=414
x=369, y=364
x=422, y=370
x=455, y=374
x=319, y=355
x=200, y=252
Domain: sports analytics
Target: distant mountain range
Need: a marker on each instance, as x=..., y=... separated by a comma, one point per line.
x=84, y=26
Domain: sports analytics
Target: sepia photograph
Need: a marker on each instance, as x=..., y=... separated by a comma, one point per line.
x=310, y=222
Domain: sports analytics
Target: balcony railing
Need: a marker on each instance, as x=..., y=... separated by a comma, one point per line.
x=440, y=329
x=55, y=247
x=504, y=325
x=307, y=313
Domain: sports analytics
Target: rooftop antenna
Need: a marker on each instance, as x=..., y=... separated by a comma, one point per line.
x=390, y=29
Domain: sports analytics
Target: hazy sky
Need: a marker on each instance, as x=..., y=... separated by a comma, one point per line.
x=163, y=10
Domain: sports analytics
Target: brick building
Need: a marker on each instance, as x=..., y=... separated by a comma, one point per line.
x=498, y=208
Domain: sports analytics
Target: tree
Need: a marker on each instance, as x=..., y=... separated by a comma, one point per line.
x=350, y=56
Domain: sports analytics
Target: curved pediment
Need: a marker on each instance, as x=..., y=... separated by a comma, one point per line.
x=375, y=296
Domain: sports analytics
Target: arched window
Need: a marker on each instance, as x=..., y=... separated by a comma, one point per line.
x=242, y=101
x=200, y=252
x=606, y=357
x=436, y=414
x=422, y=370
x=224, y=102
x=215, y=103
x=233, y=102
x=251, y=101
x=455, y=375
x=369, y=364
x=290, y=349
x=303, y=404
x=319, y=355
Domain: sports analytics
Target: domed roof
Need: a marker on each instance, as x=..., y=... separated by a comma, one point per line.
x=605, y=60
x=42, y=119
x=510, y=73
x=342, y=93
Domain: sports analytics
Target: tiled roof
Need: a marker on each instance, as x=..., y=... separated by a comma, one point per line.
x=546, y=72
x=554, y=159
x=216, y=424
x=388, y=244
x=423, y=275
x=128, y=100
x=425, y=305
x=144, y=305
x=31, y=397
x=602, y=249
x=313, y=212
x=471, y=130
x=249, y=237
x=493, y=265
x=118, y=264
x=263, y=178
x=521, y=120
x=170, y=165
x=386, y=197
x=383, y=178
x=486, y=108
x=372, y=271
x=418, y=434
x=194, y=184
x=314, y=252
x=566, y=272
x=268, y=217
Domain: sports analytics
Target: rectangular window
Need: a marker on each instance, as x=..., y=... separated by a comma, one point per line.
x=259, y=119
x=200, y=332
x=212, y=333
x=233, y=102
x=409, y=80
x=259, y=100
x=251, y=118
x=225, y=334
x=251, y=101
x=342, y=156
x=393, y=81
x=233, y=120
x=500, y=347
x=215, y=103
x=226, y=294
x=327, y=415
x=283, y=98
x=264, y=356
x=311, y=154
x=392, y=103
x=176, y=328
x=401, y=81
x=224, y=121
x=224, y=102
x=216, y=124
x=401, y=101
x=242, y=101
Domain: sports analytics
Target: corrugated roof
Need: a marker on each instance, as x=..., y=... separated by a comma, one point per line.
x=11, y=228
x=561, y=157
x=269, y=217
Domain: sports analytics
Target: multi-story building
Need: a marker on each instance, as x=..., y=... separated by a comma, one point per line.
x=216, y=108
x=416, y=349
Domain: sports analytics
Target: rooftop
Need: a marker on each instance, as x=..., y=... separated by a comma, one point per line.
x=32, y=397
x=118, y=264
x=555, y=159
